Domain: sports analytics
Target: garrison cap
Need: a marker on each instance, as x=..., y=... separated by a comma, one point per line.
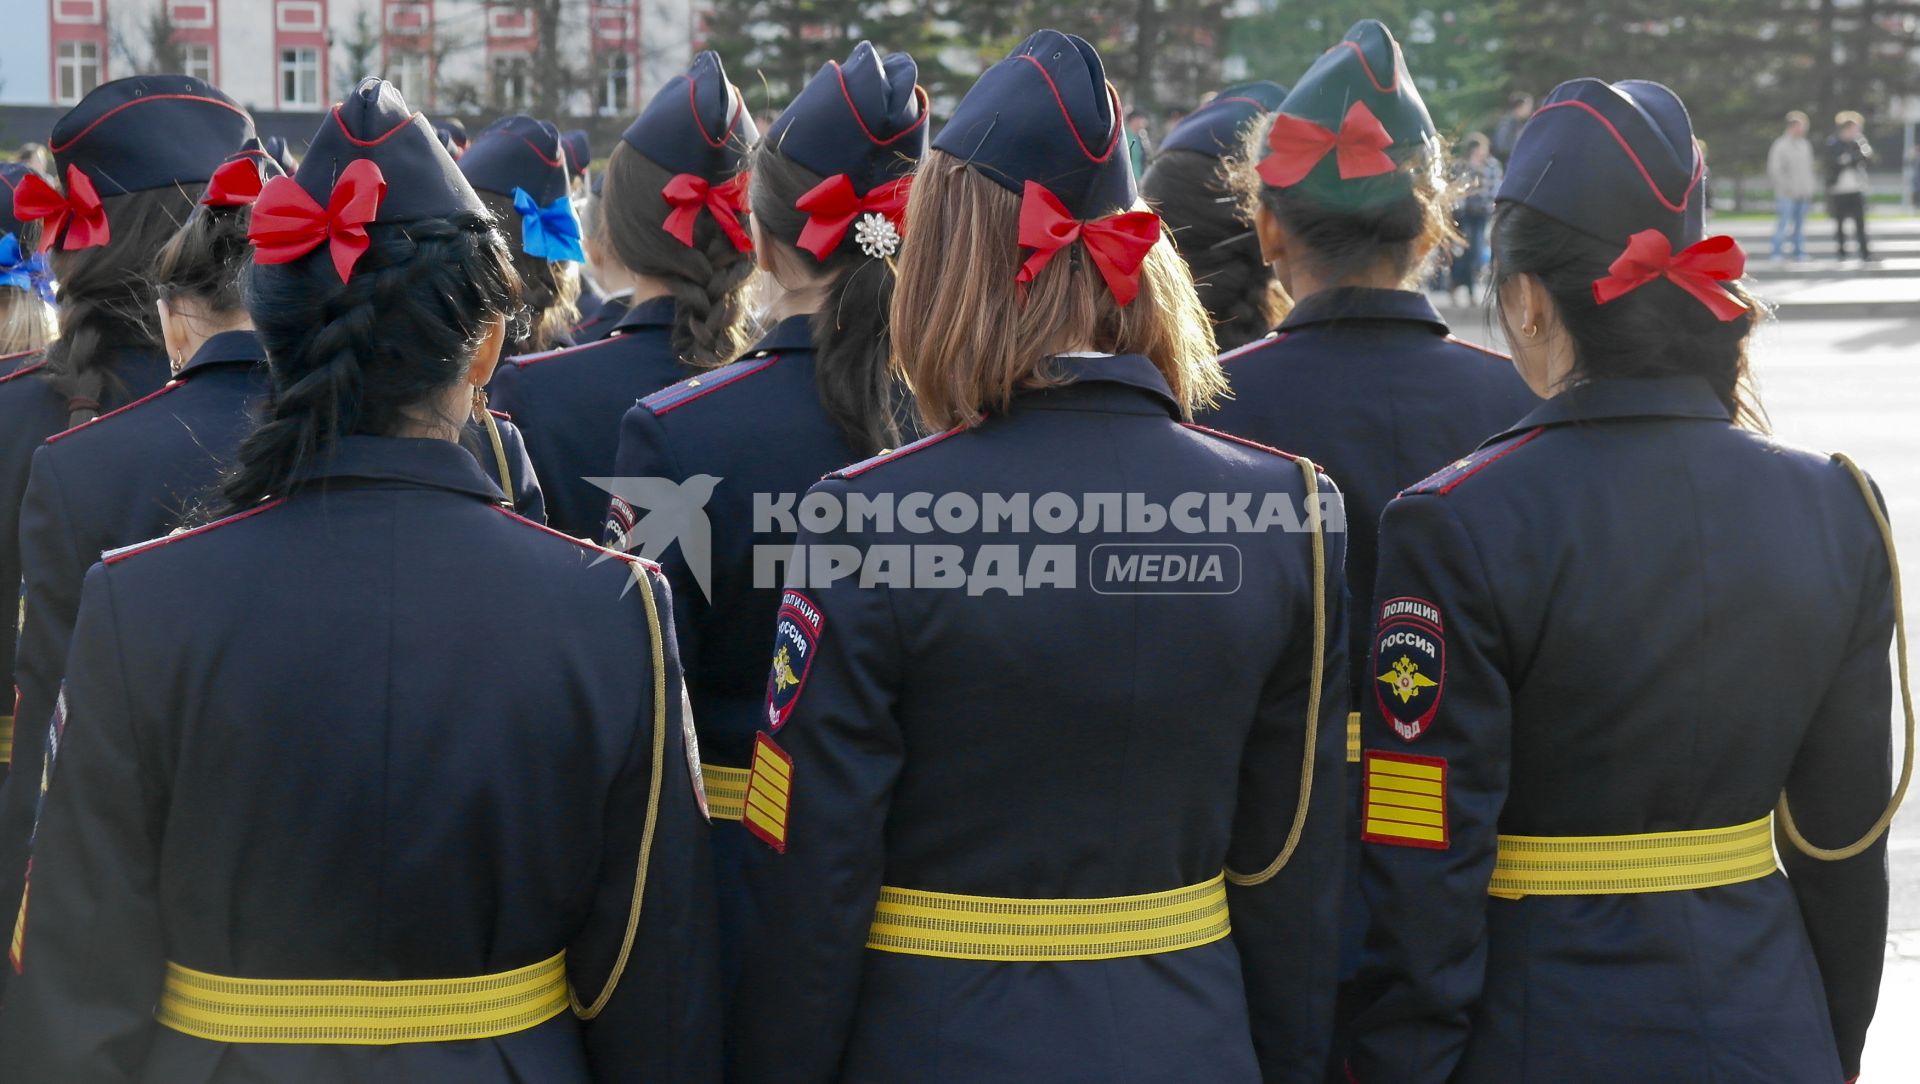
x=1047, y=114
x=11, y=174
x=579, y=151
x=1349, y=123
x=374, y=123
x=1611, y=160
x=697, y=124
x=1217, y=128
x=149, y=131
x=282, y=155
x=865, y=118
x=518, y=152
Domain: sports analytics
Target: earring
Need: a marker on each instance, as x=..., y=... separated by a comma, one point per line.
x=1529, y=331
x=479, y=403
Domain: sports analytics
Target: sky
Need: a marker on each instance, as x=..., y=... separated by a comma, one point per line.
x=23, y=52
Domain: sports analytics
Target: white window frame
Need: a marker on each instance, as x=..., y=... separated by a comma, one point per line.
x=296, y=61
x=604, y=102
x=612, y=24
x=521, y=67
x=199, y=69
x=63, y=65
x=403, y=66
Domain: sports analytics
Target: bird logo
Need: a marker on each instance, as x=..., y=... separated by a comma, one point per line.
x=1405, y=680
x=666, y=512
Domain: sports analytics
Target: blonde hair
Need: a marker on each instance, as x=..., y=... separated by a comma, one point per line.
x=26, y=322
x=967, y=337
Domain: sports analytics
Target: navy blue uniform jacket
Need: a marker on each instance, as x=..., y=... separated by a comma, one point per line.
x=1651, y=621
x=568, y=404
x=597, y=322
x=332, y=767
x=122, y=478
x=30, y=412
x=1061, y=743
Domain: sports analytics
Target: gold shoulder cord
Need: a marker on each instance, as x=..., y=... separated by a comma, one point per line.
x=1314, y=683
x=1906, y=697
x=499, y=447
x=658, y=652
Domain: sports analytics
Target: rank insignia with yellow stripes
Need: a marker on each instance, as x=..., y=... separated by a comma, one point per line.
x=769, y=793
x=1405, y=800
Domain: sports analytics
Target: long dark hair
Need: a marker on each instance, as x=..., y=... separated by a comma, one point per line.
x=1656, y=330
x=106, y=297
x=852, y=338
x=551, y=291
x=206, y=260
x=708, y=281
x=351, y=358
x=1213, y=229
x=1345, y=242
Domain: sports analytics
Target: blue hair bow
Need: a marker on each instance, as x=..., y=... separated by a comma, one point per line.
x=551, y=232
x=26, y=271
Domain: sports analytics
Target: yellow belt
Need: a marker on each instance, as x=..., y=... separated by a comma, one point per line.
x=6, y=739
x=1654, y=862
x=726, y=791
x=1353, y=737
x=361, y=1013
x=996, y=928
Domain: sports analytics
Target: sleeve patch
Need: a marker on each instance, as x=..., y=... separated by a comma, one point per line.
x=1405, y=801
x=1409, y=664
x=796, y=639
x=769, y=793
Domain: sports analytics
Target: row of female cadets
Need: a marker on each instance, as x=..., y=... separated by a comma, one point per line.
x=824, y=985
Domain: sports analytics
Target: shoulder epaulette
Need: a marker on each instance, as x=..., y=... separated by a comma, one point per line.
x=15, y=356
x=1244, y=442
x=500, y=414
x=522, y=361
x=1446, y=478
x=1488, y=351
x=124, y=552
x=1254, y=347
x=116, y=412
x=591, y=547
x=23, y=370
x=674, y=396
x=865, y=465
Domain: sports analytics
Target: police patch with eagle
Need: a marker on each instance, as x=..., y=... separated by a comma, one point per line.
x=1410, y=664
x=795, y=640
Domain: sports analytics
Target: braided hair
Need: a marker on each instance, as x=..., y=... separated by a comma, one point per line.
x=852, y=336
x=1213, y=229
x=709, y=281
x=550, y=289
x=106, y=296
x=26, y=322
x=354, y=357
x=206, y=260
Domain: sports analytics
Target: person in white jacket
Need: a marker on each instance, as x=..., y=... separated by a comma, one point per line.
x=1790, y=168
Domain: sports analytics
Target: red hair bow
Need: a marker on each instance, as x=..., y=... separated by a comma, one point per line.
x=1298, y=145
x=235, y=184
x=1118, y=243
x=79, y=210
x=287, y=224
x=688, y=195
x=831, y=206
x=1698, y=269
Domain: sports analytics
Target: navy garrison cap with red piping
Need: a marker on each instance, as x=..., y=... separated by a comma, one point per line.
x=149, y=131
x=697, y=124
x=11, y=174
x=1611, y=160
x=1349, y=123
x=374, y=123
x=1218, y=128
x=1047, y=114
x=579, y=151
x=865, y=117
x=518, y=152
